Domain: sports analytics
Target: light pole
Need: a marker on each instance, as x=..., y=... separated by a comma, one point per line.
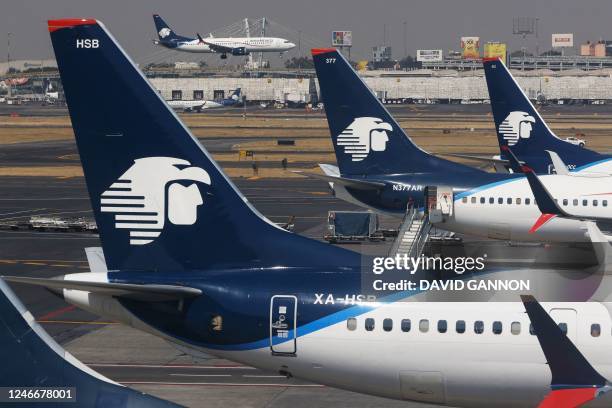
x=8, y=61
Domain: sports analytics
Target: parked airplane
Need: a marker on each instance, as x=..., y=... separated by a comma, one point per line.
x=190, y=260
x=574, y=380
x=32, y=359
x=379, y=167
x=520, y=126
x=199, y=105
x=223, y=46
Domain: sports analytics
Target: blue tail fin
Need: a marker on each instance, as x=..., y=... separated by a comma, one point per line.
x=367, y=140
x=31, y=358
x=520, y=126
x=159, y=199
x=164, y=32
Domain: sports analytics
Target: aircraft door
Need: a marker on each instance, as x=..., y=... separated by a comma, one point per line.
x=567, y=321
x=283, y=321
x=445, y=200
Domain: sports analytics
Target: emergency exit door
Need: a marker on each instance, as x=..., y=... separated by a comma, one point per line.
x=283, y=320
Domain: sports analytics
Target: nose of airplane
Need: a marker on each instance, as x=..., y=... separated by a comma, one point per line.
x=291, y=45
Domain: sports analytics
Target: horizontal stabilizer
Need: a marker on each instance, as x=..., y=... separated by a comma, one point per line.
x=560, y=166
x=477, y=158
x=347, y=182
x=152, y=293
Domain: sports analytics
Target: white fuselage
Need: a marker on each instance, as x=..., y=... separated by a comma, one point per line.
x=193, y=104
x=501, y=365
x=508, y=210
x=250, y=44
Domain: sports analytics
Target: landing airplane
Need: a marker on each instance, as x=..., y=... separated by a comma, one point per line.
x=32, y=359
x=224, y=46
x=379, y=167
x=520, y=126
x=199, y=105
x=574, y=381
x=189, y=259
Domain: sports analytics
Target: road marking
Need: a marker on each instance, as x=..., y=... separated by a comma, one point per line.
x=263, y=376
x=201, y=375
x=225, y=384
x=74, y=322
x=170, y=366
x=56, y=313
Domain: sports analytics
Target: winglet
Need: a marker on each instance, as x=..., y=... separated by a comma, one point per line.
x=544, y=200
x=574, y=380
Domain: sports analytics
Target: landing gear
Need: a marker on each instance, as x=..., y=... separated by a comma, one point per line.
x=224, y=56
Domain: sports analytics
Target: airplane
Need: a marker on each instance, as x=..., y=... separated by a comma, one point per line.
x=189, y=259
x=224, y=46
x=31, y=359
x=380, y=168
x=199, y=105
x=520, y=126
x=574, y=381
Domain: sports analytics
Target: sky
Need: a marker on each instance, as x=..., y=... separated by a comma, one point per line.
x=430, y=24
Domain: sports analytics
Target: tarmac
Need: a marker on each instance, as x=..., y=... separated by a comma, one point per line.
x=140, y=360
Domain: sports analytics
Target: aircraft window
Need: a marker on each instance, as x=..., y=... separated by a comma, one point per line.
x=500, y=200
x=563, y=327
x=491, y=200
x=575, y=202
x=604, y=203
x=387, y=325
x=531, y=329
x=595, y=330
x=478, y=326
x=369, y=324
x=528, y=201
x=473, y=200
x=351, y=323
x=594, y=203
x=565, y=201
x=515, y=328
x=405, y=325
x=497, y=327
x=585, y=203
x=460, y=326
x=424, y=325
x=442, y=326
x=518, y=200
x=482, y=200
x=464, y=200
x=509, y=200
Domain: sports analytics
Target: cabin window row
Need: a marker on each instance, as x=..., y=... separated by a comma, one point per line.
x=527, y=201
x=460, y=326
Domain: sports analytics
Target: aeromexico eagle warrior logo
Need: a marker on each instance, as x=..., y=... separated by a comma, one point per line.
x=140, y=196
x=365, y=134
x=164, y=32
x=516, y=126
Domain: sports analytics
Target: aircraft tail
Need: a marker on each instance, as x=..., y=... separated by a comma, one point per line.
x=30, y=357
x=159, y=199
x=518, y=123
x=366, y=138
x=164, y=32
x=236, y=94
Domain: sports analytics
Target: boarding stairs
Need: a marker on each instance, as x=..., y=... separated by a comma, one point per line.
x=413, y=234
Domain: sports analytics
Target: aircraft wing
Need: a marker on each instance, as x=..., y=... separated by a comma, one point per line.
x=152, y=293
x=217, y=47
x=347, y=182
x=574, y=380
